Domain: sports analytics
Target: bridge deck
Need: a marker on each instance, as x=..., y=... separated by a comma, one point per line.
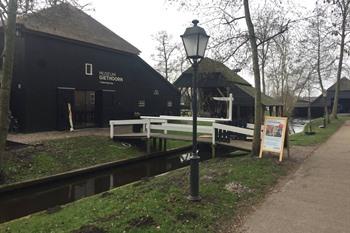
x=239, y=144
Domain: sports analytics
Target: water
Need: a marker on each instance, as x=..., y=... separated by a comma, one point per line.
x=298, y=125
x=21, y=201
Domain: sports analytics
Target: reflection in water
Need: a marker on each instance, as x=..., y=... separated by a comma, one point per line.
x=185, y=157
x=62, y=192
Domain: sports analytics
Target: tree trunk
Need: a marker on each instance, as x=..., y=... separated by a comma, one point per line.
x=283, y=79
x=6, y=75
x=263, y=75
x=257, y=116
x=324, y=92
x=166, y=71
x=337, y=86
x=309, y=106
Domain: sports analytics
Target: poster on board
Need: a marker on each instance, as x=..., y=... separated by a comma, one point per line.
x=274, y=135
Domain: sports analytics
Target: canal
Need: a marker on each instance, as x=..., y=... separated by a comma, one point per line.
x=25, y=198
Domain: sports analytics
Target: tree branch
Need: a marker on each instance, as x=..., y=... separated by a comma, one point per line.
x=283, y=30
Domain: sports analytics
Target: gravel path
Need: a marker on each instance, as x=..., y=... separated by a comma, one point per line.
x=316, y=199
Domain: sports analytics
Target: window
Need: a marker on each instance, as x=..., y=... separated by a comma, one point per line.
x=170, y=104
x=141, y=104
x=88, y=69
x=92, y=98
x=155, y=92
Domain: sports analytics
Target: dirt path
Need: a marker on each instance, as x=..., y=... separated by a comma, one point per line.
x=32, y=138
x=316, y=199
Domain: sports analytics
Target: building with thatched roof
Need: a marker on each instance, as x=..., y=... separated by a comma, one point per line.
x=217, y=80
x=64, y=58
x=317, y=104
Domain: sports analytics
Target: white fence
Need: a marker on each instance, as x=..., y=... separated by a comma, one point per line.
x=144, y=122
x=161, y=124
x=181, y=128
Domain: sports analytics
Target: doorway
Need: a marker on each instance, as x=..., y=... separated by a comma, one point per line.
x=84, y=114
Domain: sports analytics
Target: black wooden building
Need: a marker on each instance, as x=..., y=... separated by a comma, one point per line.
x=65, y=57
x=317, y=109
x=217, y=80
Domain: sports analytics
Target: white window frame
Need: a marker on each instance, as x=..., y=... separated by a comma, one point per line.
x=88, y=67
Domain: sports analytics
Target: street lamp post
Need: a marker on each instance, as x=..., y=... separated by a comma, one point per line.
x=195, y=41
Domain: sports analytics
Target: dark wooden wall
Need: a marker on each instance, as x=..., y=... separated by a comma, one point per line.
x=45, y=63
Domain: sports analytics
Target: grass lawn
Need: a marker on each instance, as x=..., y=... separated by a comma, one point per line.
x=228, y=187
x=321, y=134
x=62, y=155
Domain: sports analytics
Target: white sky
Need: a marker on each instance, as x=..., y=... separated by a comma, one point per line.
x=137, y=20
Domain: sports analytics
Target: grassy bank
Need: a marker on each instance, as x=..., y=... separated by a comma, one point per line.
x=321, y=134
x=57, y=156
x=228, y=186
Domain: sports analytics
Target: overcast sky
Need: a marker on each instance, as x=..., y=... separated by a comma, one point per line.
x=137, y=20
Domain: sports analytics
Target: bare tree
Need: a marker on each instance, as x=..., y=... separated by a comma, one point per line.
x=255, y=60
x=321, y=49
x=289, y=69
x=81, y=4
x=8, y=17
x=268, y=22
x=164, y=55
x=341, y=11
x=228, y=37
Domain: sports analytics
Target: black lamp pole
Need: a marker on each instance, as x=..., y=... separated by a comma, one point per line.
x=195, y=41
x=194, y=162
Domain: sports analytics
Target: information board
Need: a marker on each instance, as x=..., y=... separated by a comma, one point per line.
x=274, y=135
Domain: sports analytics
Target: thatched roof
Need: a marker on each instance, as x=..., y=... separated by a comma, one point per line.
x=214, y=74
x=343, y=94
x=66, y=21
x=207, y=67
x=265, y=99
x=344, y=85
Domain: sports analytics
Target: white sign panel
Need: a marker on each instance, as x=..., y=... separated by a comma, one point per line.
x=109, y=77
x=274, y=135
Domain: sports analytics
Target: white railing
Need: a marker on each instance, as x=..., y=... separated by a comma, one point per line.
x=181, y=128
x=235, y=129
x=158, y=123
x=144, y=122
x=183, y=118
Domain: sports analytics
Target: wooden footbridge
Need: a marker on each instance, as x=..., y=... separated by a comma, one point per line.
x=210, y=130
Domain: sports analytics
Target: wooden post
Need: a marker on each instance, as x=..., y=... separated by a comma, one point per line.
x=148, y=127
x=282, y=111
x=263, y=109
x=230, y=107
x=287, y=140
x=148, y=145
x=111, y=130
x=271, y=110
x=262, y=143
x=164, y=145
x=160, y=144
x=213, y=151
x=154, y=143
